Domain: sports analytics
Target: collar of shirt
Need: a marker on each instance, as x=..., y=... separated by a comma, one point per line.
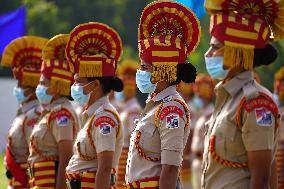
x=96, y=105
x=170, y=91
x=234, y=85
x=29, y=105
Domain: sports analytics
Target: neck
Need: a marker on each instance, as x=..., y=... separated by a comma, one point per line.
x=162, y=85
x=232, y=73
x=95, y=96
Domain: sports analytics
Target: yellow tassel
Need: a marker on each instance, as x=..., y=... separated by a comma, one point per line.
x=30, y=79
x=279, y=74
x=60, y=86
x=234, y=57
x=166, y=71
x=90, y=69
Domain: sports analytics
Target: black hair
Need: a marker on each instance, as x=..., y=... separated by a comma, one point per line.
x=185, y=72
x=109, y=83
x=265, y=56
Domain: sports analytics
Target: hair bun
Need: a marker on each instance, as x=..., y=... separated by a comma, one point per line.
x=265, y=56
x=186, y=72
x=117, y=84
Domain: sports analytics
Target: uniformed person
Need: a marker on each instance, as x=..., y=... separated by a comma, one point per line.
x=279, y=92
x=94, y=49
x=186, y=90
x=23, y=55
x=241, y=135
x=52, y=137
x=205, y=91
x=168, y=32
x=127, y=71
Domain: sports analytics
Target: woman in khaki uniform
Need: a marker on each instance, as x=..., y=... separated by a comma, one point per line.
x=240, y=141
x=126, y=71
x=168, y=32
x=205, y=91
x=23, y=55
x=279, y=92
x=52, y=137
x=94, y=49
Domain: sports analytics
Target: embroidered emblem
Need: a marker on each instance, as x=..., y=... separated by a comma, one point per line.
x=105, y=124
x=172, y=121
x=170, y=109
x=105, y=128
x=32, y=122
x=263, y=117
x=62, y=121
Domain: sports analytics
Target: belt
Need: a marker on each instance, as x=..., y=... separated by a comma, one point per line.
x=84, y=180
x=149, y=183
x=12, y=181
x=43, y=174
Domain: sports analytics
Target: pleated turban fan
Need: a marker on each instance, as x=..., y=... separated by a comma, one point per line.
x=55, y=66
x=94, y=49
x=168, y=32
x=244, y=25
x=128, y=66
x=24, y=56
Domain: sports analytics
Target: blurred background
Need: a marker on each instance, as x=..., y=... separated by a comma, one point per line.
x=50, y=17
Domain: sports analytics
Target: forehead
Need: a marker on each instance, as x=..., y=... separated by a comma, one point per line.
x=79, y=79
x=215, y=41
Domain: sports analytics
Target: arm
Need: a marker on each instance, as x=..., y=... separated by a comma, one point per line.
x=273, y=176
x=104, y=170
x=168, y=178
x=65, y=149
x=259, y=163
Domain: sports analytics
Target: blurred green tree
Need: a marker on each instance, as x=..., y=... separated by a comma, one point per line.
x=50, y=17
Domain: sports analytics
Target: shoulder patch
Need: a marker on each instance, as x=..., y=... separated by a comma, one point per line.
x=105, y=124
x=62, y=117
x=172, y=121
x=170, y=110
x=263, y=117
x=261, y=102
x=31, y=122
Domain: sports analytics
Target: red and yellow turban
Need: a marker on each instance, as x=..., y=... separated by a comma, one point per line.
x=55, y=66
x=128, y=66
x=168, y=32
x=204, y=86
x=24, y=56
x=243, y=25
x=94, y=49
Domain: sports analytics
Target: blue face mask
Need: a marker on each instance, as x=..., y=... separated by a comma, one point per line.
x=119, y=96
x=214, y=66
x=143, y=82
x=276, y=99
x=42, y=96
x=78, y=95
x=197, y=103
x=19, y=93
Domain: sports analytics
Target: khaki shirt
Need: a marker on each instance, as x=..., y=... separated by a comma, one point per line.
x=256, y=133
x=60, y=123
x=20, y=131
x=163, y=135
x=101, y=132
x=197, y=145
x=128, y=116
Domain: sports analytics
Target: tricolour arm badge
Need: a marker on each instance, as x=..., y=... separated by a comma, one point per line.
x=105, y=124
x=263, y=117
x=171, y=114
x=61, y=117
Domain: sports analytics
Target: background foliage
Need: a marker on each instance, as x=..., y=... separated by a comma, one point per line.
x=50, y=17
